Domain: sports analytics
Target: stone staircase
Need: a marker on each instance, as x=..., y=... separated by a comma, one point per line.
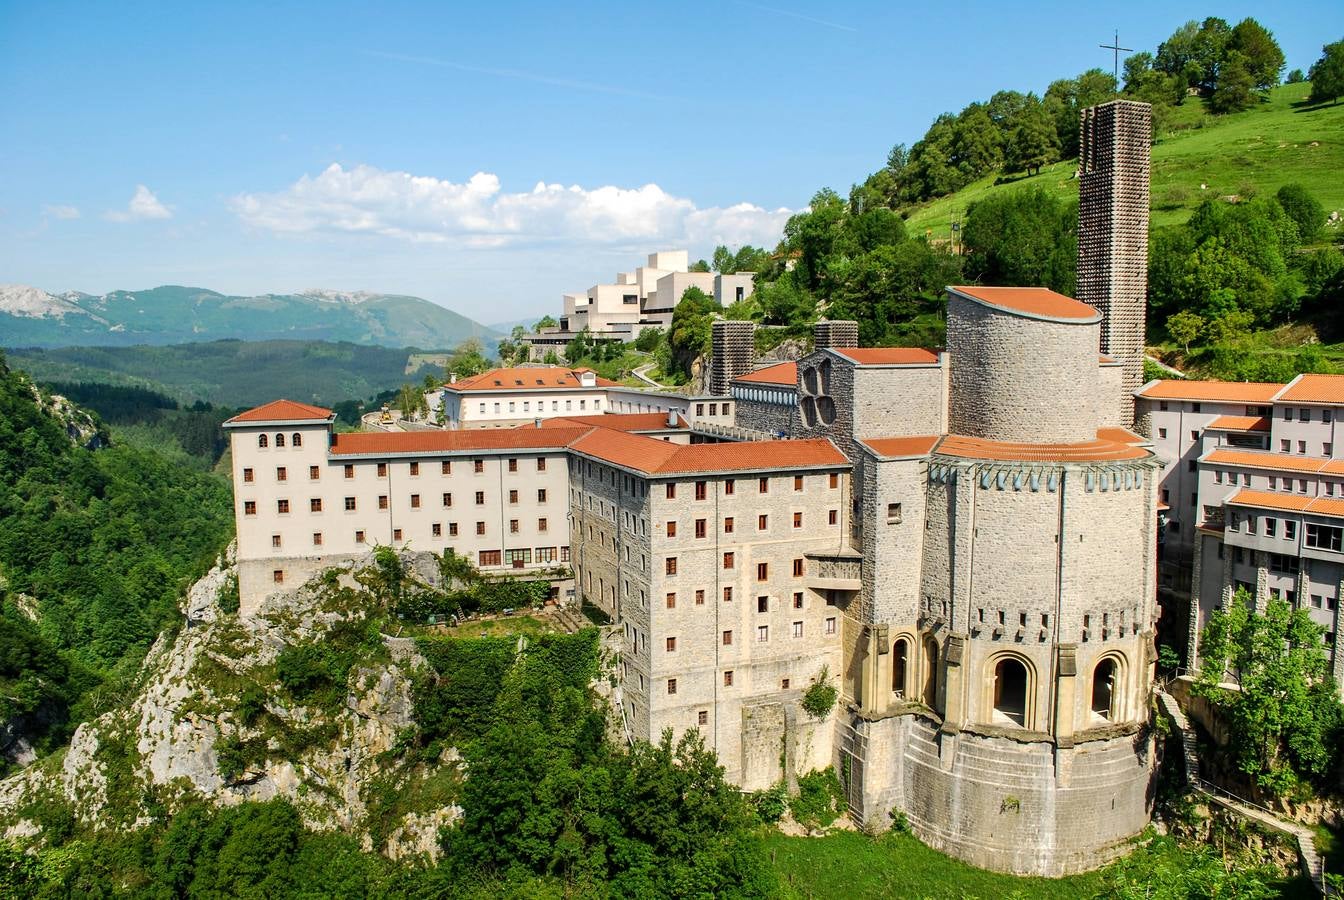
x=1189, y=745
x=569, y=619
x=1312, y=863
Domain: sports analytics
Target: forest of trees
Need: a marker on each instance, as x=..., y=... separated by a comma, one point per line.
x=96, y=548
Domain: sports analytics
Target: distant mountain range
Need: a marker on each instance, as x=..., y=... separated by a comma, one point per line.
x=32, y=317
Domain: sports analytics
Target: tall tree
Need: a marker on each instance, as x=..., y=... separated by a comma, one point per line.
x=1034, y=142
x=1264, y=56
x=1022, y=237
x=1233, y=91
x=1285, y=718
x=1327, y=74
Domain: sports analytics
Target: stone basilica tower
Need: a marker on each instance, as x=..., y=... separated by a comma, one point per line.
x=1113, y=169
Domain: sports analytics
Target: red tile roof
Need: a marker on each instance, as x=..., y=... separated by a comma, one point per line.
x=1315, y=389
x=1031, y=301
x=1261, y=459
x=1212, y=391
x=784, y=373
x=282, y=411
x=1088, y=451
x=654, y=421
x=392, y=443
x=921, y=445
x=1120, y=436
x=521, y=378
x=1239, y=423
x=656, y=457
x=888, y=356
x=1320, y=506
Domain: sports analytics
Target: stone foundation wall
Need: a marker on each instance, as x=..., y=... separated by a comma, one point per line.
x=1030, y=809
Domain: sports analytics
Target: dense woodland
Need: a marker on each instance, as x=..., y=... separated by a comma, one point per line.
x=96, y=548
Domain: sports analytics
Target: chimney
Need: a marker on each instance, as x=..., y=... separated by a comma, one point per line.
x=733, y=350
x=671, y=418
x=452, y=378
x=1113, y=168
x=837, y=333
x=537, y=421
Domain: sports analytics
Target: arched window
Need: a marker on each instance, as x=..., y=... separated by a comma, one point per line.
x=1103, y=689
x=931, y=673
x=1010, y=692
x=279, y=439
x=262, y=440
x=900, y=662
x=296, y=440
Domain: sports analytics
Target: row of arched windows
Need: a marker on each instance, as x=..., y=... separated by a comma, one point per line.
x=1011, y=685
x=296, y=439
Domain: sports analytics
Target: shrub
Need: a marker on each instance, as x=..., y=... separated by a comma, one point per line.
x=819, y=698
x=228, y=598
x=770, y=805
x=820, y=799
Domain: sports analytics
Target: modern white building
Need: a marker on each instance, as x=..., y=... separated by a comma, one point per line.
x=641, y=298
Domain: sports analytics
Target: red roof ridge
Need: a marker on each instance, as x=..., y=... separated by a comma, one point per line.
x=448, y=441
x=1033, y=302
x=888, y=356
x=655, y=457
x=1257, y=392
x=903, y=446
x=281, y=411
x=519, y=378
x=779, y=373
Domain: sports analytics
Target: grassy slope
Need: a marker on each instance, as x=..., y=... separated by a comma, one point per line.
x=1265, y=147
x=848, y=865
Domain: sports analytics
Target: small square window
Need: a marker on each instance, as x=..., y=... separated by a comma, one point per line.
x=727, y=638
x=275, y=540
x=797, y=599
x=893, y=513
x=671, y=645
x=727, y=595
x=763, y=486
x=830, y=625
x=832, y=517
x=672, y=601
x=671, y=529
x=349, y=471
x=382, y=501
x=702, y=717
x=729, y=487
x=314, y=473
x=762, y=571
x=834, y=480
x=359, y=537
x=762, y=604
x=700, y=597
x=445, y=468
x=762, y=523
x=415, y=468
x=382, y=470
x=671, y=685
x=278, y=576
x=783, y=684
x=762, y=633
x=317, y=539
x=728, y=525
x=728, y=678
x=728, y=559
x=797, y=482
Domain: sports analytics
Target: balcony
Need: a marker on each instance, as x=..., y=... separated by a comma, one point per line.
x=834, y=570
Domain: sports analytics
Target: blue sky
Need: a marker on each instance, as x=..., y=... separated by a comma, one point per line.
x=398, y=147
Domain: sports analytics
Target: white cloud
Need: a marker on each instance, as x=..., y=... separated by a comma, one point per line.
x=59, y=211
x=143, y=205
x=477, y=213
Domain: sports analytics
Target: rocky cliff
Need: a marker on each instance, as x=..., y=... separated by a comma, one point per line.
x=225, y=711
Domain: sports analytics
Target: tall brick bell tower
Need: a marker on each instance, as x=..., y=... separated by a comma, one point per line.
x=1113, y=165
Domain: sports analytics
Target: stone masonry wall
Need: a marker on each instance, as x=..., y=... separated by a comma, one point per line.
x=1020, y=379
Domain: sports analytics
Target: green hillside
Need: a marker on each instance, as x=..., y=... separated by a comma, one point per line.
x=232, y=373
x=1281, y=141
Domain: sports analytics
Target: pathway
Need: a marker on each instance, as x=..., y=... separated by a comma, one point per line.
x=1311, y=860
x=1163, y=366
x=639, y=373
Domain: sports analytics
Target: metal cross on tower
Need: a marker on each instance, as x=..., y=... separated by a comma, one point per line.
x=1114, y=45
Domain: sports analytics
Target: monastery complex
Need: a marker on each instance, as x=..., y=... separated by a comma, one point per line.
x=965, y=543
